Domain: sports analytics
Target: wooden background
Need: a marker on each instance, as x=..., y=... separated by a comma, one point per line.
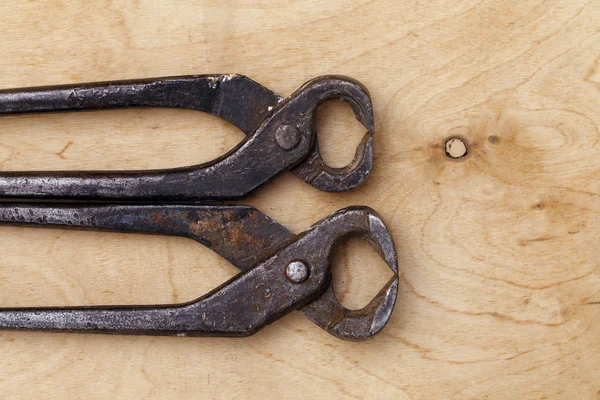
x=500, y=287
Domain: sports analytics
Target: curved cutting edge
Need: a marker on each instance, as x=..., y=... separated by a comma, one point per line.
x=327, y=312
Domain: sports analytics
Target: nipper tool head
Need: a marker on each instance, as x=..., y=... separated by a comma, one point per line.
x=313, y=169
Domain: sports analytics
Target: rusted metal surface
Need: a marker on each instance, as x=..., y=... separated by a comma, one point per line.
x=271, y=284
x=280, y=136
x=280, y=271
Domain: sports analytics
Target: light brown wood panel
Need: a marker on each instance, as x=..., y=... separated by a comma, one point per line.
x=500, y=288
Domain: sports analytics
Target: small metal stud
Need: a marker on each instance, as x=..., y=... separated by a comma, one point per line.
x=287, y=137
x=297, y=271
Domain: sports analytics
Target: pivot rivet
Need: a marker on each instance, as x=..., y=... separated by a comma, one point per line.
x=297, y=271
x=287, y=136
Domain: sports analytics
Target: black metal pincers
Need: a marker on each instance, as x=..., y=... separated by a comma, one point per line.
x=280, y=136
x=281, y=271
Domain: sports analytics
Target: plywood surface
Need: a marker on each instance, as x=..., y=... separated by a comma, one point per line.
x=500, y=287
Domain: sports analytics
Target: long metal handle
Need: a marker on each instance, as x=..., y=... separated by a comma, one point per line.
x=196, y=93
x=241, y=234
x=237, y=308
x=223, y=179
x=235, y=98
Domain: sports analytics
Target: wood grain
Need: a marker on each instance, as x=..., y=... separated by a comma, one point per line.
x=500, y=290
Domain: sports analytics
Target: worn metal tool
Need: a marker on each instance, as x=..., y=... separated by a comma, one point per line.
x=281, y=271
x=280, y=135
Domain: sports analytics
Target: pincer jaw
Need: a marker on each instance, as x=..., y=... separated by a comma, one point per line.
x=364, y=323
x=313, y=168
x=326, y=311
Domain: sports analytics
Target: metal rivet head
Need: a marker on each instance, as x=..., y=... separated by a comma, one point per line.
x=287, y=136
x=297, y=271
